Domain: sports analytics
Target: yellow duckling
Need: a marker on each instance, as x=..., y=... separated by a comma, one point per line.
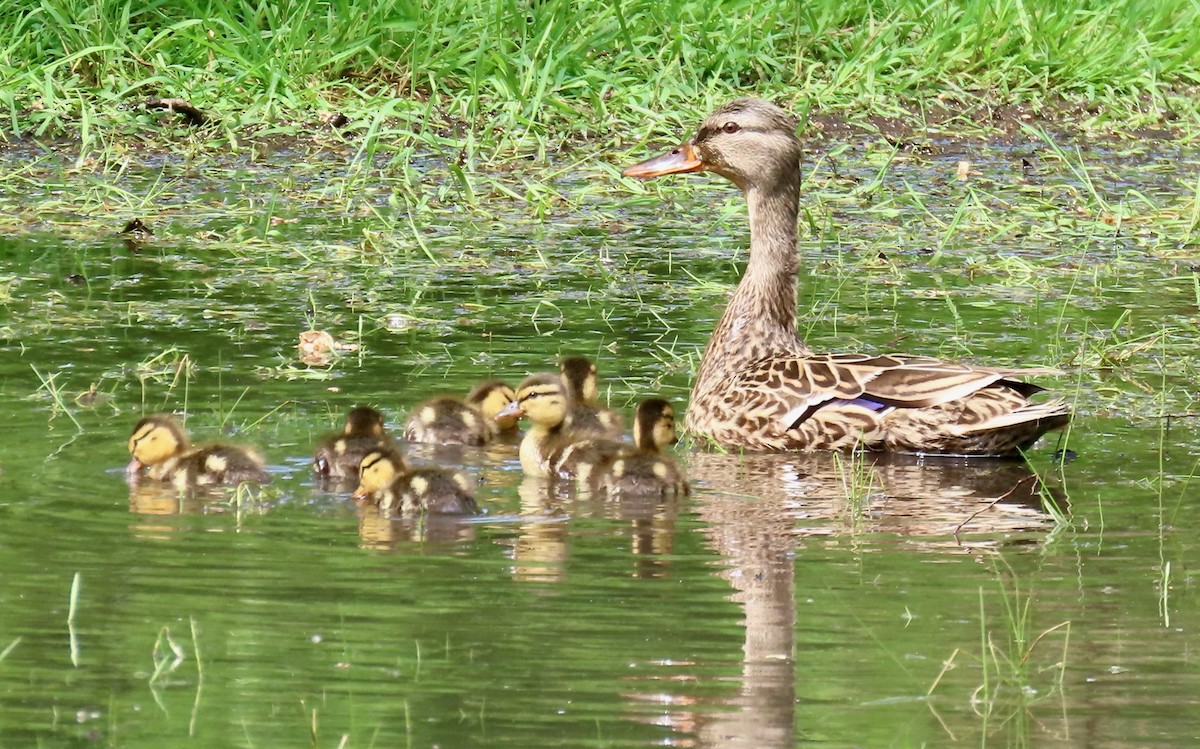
x=387, y=481
x=160, y=445
x=491, y=397
x=579, y=378
x=541, y=398
x=447, y=420
x=338, y=455
x=646, y=470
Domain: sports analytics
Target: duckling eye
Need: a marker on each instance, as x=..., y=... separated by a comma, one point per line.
x=731, y=127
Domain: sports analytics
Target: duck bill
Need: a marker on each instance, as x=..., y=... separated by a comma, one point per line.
x=134, y=468
x=512, y=411
x=680, y=160
x=359, y=493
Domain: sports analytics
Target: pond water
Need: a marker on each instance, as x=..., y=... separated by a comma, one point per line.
x=791, y=600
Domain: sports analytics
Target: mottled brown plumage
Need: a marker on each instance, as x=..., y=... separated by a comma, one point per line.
x=760, y=387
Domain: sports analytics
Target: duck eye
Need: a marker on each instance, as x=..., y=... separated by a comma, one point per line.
x=731, y=127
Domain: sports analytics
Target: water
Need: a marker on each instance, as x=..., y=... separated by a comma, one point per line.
x=791, y=600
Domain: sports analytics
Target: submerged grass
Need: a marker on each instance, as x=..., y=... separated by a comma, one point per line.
x=486, y=80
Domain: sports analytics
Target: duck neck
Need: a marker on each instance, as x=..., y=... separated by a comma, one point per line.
x=760, y=320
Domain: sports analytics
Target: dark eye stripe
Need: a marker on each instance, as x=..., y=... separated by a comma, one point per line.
x=365, y=465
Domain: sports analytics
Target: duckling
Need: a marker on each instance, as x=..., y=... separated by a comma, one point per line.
x=447, y=420
x=579, y=378
x=160, y=445
x=491, y=397
x=386, y=480
x=338, y=454
x=543, y=399
x=647, y=469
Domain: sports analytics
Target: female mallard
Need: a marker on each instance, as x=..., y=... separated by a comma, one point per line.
x=760, y=387
x=338, y=455
x=160, y=445
x=450, y=421
x=387, y=481
x=579, y=378
x=542, y=398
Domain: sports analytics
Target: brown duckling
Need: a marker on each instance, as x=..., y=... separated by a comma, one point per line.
x=159, y=444
x=337, y=455
x=579, y=378
x=543, y=399
x=645, y=470
x=387, y=481
x=447, y=420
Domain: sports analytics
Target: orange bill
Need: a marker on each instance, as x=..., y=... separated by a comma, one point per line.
x=681, y=159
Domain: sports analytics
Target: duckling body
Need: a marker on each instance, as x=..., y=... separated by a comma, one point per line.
x=542, y=399
x=338, y=455
x=759, y=386
x=387, y=481
x=645, y=469
x=446, y=420
x=584, y=416
x=159, y=445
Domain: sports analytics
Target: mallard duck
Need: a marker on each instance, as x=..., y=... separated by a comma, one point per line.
x=338, y=455
x=542, y=399
x=579, y=378
x=647, y=469
x=760, y=387
x=159, y=444
x=447, y=420
x=387, y=481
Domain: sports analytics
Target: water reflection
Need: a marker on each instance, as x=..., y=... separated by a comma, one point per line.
x=759, y=507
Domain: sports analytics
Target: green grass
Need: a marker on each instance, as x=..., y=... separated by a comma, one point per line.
x=488, y=80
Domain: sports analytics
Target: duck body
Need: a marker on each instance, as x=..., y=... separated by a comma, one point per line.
x=447, y=420
x=759, y=386
x=159, y=446
x=583, y=415
x=644, y=469
x=337, y=455
x=543, y=400
x=387, y=481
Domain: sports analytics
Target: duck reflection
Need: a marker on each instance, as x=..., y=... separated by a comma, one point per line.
x=758, y=508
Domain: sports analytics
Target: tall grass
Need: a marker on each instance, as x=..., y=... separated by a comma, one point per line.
x=516, y=71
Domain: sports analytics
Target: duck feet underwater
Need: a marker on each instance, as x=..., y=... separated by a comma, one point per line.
x=159, y=446
x=760, y=387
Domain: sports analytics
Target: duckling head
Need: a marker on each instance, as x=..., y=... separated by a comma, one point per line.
x=492, y=397
x=654, y=425
x=541, y=398
x=377, y=470
x=579, y=378
x=750, y=142
x=155, y=439
x=364, y=421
